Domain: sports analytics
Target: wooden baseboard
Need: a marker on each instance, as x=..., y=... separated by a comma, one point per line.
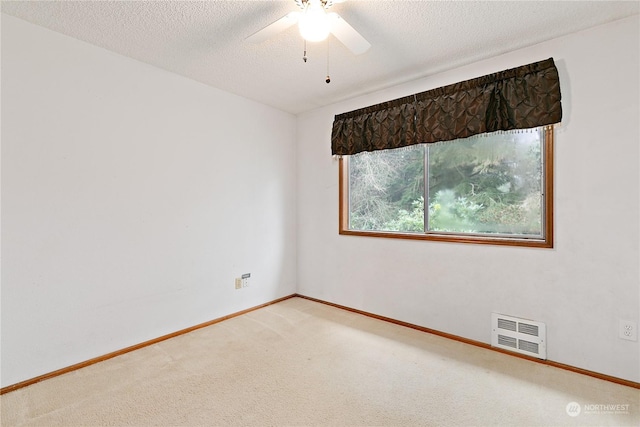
x=99, y=359
x=598, y=375
x=353, y=310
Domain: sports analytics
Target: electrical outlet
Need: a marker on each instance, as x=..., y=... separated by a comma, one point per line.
x=238, y=283
x=628, y=330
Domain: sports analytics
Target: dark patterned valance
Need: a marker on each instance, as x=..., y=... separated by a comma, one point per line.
x=518, y=98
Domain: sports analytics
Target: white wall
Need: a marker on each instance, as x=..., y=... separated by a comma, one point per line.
x=580, y=288
x=131, y=199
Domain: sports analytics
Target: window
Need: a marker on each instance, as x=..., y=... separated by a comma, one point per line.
x=493, y=188
x=468, y=162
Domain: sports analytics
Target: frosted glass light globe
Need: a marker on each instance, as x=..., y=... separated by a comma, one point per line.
x=314, y=23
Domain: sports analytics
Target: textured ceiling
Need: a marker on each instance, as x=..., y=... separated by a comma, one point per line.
x=205, y=40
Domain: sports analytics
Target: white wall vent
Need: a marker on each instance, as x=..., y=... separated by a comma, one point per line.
x=519, y=335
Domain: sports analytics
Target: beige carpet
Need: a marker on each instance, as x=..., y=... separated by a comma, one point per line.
x=303, y=363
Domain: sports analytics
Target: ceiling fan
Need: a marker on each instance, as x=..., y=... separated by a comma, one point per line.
x=315, y=24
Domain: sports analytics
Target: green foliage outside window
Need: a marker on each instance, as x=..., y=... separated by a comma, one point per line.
x=490, y=184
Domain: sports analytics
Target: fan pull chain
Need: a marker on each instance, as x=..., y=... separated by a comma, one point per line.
x=328, y=79
x=304, y=55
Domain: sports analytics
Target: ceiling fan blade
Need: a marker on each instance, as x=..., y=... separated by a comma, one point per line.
x=347, y=35
x=274, y=28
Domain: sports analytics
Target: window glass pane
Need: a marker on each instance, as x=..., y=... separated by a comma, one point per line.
x=489, y=184
x=386, y=190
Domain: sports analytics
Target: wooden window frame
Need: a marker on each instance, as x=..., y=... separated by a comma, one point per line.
x=547, y=242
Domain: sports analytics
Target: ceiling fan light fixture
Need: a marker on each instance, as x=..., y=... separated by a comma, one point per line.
x=314, y=22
